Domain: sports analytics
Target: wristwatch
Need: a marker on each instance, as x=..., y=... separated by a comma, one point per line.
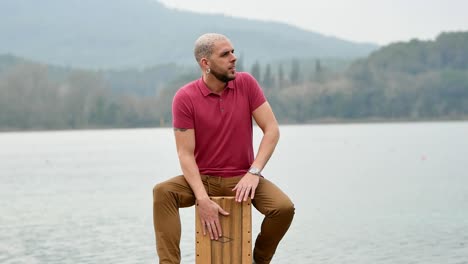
x=255, y=171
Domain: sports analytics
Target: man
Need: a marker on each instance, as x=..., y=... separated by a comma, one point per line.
x=212, y=119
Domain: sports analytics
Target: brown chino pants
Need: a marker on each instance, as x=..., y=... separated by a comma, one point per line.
x=175, y=193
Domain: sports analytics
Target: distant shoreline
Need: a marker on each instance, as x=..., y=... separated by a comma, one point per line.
x=314, y=122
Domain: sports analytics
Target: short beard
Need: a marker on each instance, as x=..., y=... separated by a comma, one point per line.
x=222, y=77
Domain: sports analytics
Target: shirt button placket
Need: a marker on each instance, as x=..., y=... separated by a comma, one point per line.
x=221, y=106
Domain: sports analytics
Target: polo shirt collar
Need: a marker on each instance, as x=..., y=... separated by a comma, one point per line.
x=206, y=91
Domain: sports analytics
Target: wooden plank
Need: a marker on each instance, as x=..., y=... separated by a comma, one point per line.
x=216, y=245
x=227, y=234
x=237, y=232
x=247, y=232
x=235, y=246
x=203, y=244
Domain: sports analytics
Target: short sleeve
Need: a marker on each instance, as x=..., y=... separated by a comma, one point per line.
x=256, y=95
x=182, y=111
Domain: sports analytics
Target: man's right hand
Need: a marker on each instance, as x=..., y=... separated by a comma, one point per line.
x=208, y=212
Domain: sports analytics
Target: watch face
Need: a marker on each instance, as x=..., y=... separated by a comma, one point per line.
x=254, y=170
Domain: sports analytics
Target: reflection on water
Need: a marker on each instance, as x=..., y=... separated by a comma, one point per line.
x=367, y=193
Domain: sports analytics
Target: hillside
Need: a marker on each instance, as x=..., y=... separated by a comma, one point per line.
x=408, y=81
x=137, y=33
x=415, y=80
x=449, y=51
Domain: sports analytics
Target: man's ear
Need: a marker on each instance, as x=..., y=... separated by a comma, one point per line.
x=204, y=63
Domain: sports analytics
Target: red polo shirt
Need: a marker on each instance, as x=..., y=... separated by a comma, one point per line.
x=222, y=123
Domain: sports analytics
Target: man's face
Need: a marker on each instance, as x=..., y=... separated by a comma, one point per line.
x=223, y=61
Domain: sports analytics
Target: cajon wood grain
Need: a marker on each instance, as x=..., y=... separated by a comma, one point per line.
x=235, y=246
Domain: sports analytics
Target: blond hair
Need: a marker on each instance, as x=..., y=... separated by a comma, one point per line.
x=204, y=45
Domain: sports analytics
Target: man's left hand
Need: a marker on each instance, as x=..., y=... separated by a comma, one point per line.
x=246, y=186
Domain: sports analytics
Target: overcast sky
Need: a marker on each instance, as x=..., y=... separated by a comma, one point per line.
x=376, y=21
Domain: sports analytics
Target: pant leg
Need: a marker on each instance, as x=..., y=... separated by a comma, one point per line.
x=168, y=197
x=278, y=210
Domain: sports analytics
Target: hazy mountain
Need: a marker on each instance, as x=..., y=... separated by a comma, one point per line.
x=121, y=33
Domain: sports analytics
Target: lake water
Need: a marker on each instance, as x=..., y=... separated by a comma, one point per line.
x=364, y=193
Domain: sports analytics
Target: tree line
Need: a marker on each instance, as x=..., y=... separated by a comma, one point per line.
x=403, y=81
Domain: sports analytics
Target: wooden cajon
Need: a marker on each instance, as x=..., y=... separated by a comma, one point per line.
x=235, y=246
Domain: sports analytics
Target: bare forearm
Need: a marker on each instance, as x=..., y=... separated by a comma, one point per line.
x=267, y=147
x=192, y=176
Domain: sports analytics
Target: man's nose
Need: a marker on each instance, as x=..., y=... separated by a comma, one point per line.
x=234, y=58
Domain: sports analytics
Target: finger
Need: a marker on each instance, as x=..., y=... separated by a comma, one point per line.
x=204, y=227
x=214, y=231
x=252, y=192
x=246, y=194
x=210, y=230
x=238, y=191
x=222, y=211
x=219, y=230
x=238, y=186
x=240, y=194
